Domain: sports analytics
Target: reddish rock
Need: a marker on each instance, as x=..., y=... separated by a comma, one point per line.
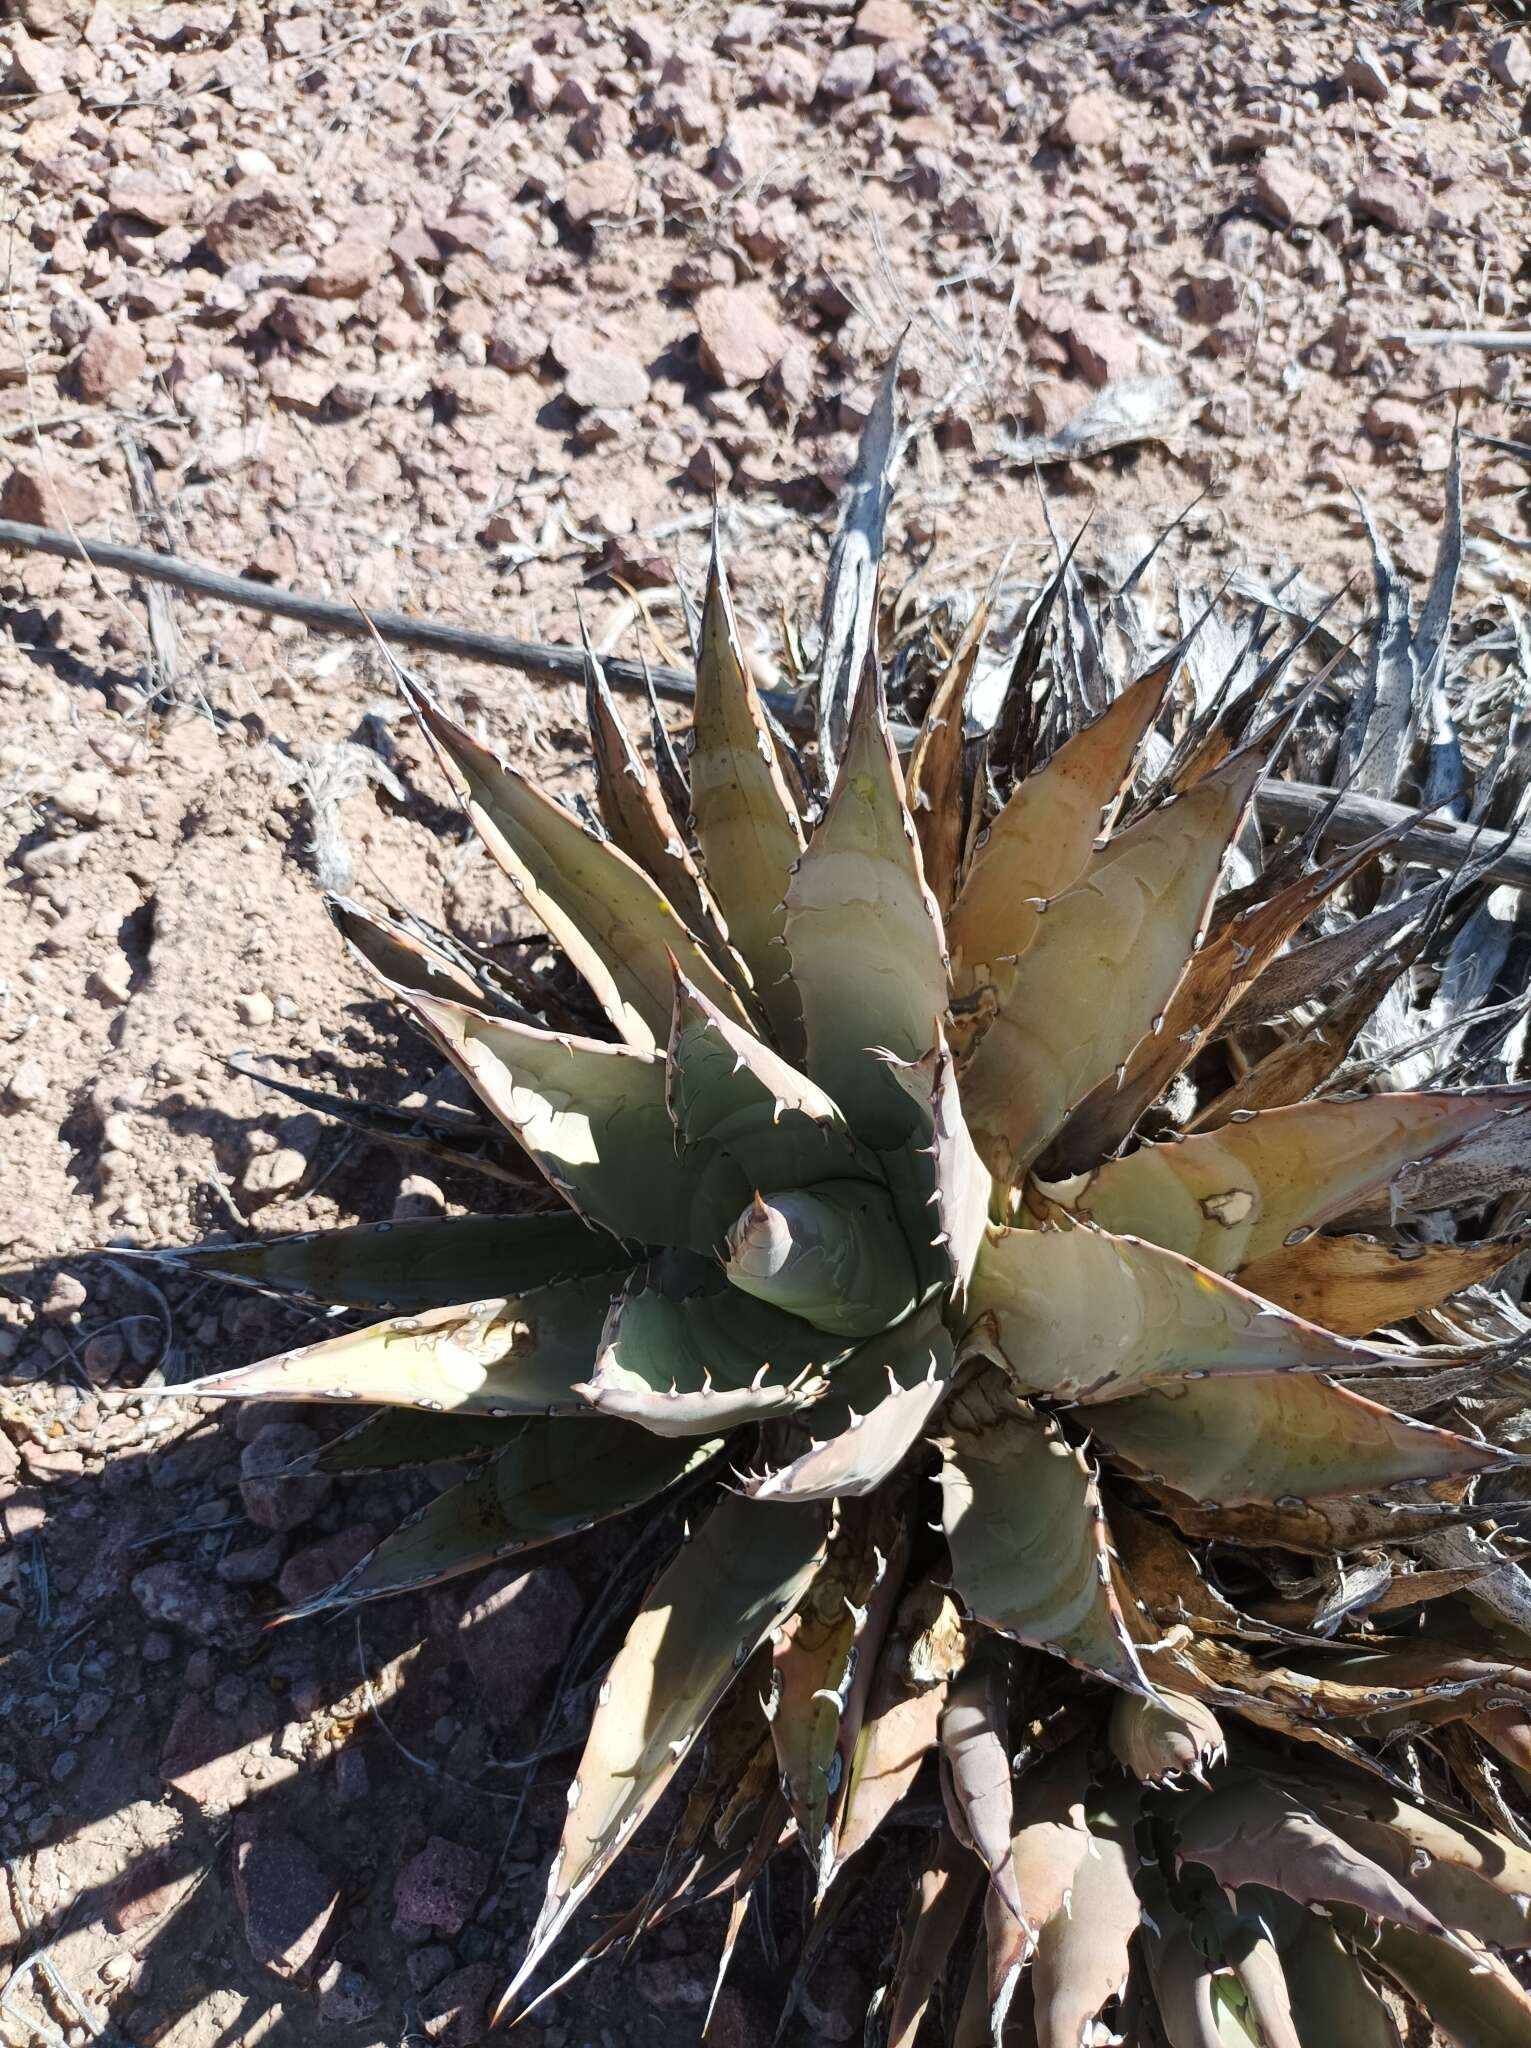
x=1102, y=347
x=1088, y=121
x=147, y=197
x=203, y=1756
x=439, y=1887
x=514, y=1633
x=455, y=2012
x=740, y=339
x=1510, y=61
x=45, y=495
x=1296, y=196
x=150, y=1887
x=346, y=1997
x=606, y=377
x=735, y=2024
x=348, y=268
x=312, y=1571
x=1364, y=74
x=111, y=360
x=286, y=1900
x=274, y=1496
x=254, y=220
x=186, y=1599
x=1392, y=201
x=606, y=189
x=849, y=72
x=748, y=28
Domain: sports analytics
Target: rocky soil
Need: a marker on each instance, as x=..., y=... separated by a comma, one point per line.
x=471, y=310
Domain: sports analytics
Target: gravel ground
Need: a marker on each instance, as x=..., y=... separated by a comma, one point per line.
x=469, y=310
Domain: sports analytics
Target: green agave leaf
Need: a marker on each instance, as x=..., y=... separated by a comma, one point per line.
x=950, y=1205
x=1281, y=1437
x=864, y=935
x=1353, y=1285
x=636, y=815
x=593, y=1117
x=926, y=1648
x=1217, y=975
x=746, y=824
x=517, y=1355
x=1247, y=1832
x=1052, y=1835
x=1083, y=1952
x=729, y=1091
x=737, y=1578
x=874, y=1414
x=833, y=1254
x=599, y=905
x=1197, y=2008
x=1471, y=1996
x=691, y=1364
x=823, y=1657
x=396, y=1438
x=975, y=1784
x=429, y=1262
x=1039, y=844
x=1471, y=1878
x=1105, y=961
x=558, y=1477
x=943, y=1895
x=1331, y=1997
x=1229, y=1197
x=1023, y=1520
x=1085, y=1316
x=1161, y=1740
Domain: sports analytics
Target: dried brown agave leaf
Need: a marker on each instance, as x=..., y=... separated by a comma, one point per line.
x=746, y=822
x=507, y=1356
x=1277, y=1438
x=1240, y=1193
x=935, y=765
x=863, y=933
x=1023, y=1519
x=1081, y=1315
x=599, y=905
x=1083, y=1952
x=1105, y=961
x=636, y=815
x=1320, y=1528
x=944, y=1894
x=1354, y=1285
x=419, y=1263
x=823, y=1657
x=740, y=1573
x=559, y=1477
x=1040, y=842
x=926, y=1648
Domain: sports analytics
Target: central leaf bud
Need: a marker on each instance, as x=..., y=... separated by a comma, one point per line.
x=833, y=1254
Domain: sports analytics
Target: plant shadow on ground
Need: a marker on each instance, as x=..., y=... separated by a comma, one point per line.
x=196, y=1789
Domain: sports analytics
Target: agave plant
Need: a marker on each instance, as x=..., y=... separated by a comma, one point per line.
x=881, y=1223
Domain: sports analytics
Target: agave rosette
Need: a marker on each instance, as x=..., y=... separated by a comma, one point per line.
x=856, y=1228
